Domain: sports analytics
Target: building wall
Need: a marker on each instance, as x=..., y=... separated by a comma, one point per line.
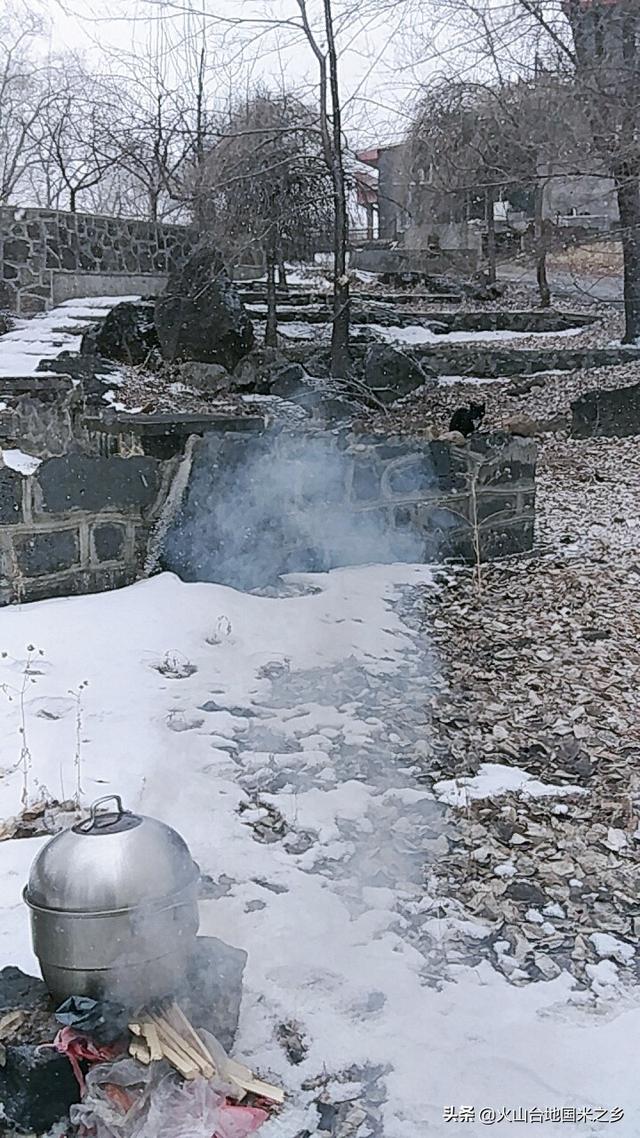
x=45, y=255
x=586, y=194
x=412, y=212
x=393, y=192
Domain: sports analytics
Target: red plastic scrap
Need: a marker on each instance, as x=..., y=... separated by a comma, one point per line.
x=239, y=1121
x=75, y=1046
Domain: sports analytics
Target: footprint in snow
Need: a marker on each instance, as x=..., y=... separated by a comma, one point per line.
x=176, y=721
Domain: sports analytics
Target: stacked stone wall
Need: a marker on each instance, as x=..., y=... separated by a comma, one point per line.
x=49, y=255
x=259, y=507
x=79, y=524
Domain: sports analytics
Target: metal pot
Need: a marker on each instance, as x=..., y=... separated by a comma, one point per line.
x=114, y=910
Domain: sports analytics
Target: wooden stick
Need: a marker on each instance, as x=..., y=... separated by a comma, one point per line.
x=150, y=1032
x=181, y=1023
x=245, y=1078
x=11, y=1021
x=177, y=1043
x=177, y=1060
x=140, y=1051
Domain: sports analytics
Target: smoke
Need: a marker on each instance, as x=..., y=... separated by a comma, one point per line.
x=265, y=505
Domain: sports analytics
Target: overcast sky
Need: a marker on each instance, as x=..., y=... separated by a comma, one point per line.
x=381, y=49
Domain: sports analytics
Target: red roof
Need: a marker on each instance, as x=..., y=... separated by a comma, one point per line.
x=369, y=157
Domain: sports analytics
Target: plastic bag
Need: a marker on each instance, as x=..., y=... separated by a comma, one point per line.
x=115, y=1098
x=103, y=1021
x=195, y=1110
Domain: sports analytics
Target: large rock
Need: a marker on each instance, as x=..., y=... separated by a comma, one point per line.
x=289, y=381
x=390, y=373
x=127, y=334
x=613, y=413
x=200, y=316
x=37, y=1085
x=212, y=990
x=213, y=379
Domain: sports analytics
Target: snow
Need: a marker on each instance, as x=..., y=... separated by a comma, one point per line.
x=328, y=940
x=611, y=948
x=419, y=334
x=452, y=380
x=44, y=337
x=18, y=460
x=494, y=780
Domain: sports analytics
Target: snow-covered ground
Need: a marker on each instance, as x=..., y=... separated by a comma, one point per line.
x=279, y=736
x=43, y=337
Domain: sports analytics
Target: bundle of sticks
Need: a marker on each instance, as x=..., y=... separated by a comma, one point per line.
x=162, y=1031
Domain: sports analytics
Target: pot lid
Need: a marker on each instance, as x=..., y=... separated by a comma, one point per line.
x=114, y=860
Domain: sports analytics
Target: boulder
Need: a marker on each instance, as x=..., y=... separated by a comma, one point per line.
x=289, y=381
x=212, y=990
x=527, y=427
x=254, y=373
x=210, y=378
x=391, y=373
x=126, y=334
x=200, y=316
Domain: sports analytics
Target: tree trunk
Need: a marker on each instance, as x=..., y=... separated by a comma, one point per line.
x=628, y=190
x=541, y=246
x=282, y=274
x=490, y=222
x=271, y=331
x=340, y=358
x=72, y=200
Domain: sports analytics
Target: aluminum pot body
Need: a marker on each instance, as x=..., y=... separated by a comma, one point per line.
x=128, y=954
x=114, y=908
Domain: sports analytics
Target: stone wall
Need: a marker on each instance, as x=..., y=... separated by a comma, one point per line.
x=47, y=256
x=256, y=508
x=79, y=524
x=83, y=523
x=397, y=261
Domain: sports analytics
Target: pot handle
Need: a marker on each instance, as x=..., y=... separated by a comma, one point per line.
x=93, y=821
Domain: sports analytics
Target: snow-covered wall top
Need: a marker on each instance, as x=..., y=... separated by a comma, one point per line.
x=49, y=255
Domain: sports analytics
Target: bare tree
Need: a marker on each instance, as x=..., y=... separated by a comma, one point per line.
x=333, y=148
x=595, y=46
x=78, y=145
x=157, y=151
x=23, y=100
x=265, y=184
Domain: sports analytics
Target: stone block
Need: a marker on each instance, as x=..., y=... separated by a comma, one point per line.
x=109, y=542
x=42, y=553
x=76, y=583
x=614, y=413
x=506, y=469
x=449, y=466
x=10, y=496
x=68, y=258
x=489, y=505
x=410, y=476
x=439, y=519
x=80, y=482
x=365, y=482
x=502, y=539
x=16, y=250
